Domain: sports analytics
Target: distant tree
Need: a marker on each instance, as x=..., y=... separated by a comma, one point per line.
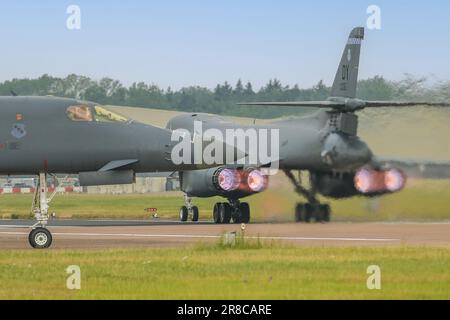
x=248, y=91
x=239, y=89
x=321, y=92
x=376, y=88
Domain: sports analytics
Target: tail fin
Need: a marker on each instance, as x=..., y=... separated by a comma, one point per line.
x=347, y=74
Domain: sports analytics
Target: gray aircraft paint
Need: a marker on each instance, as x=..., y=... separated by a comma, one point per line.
x=36, y=135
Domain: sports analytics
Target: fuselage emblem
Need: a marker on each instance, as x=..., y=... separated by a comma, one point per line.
x=18, y=131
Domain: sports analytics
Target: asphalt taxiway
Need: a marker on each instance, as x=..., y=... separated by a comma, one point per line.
x=94, y=234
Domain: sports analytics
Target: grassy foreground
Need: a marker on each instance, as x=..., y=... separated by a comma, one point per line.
x=420, y=201
x=213, y=272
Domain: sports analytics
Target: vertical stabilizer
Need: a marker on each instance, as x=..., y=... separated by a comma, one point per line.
x=347, y=74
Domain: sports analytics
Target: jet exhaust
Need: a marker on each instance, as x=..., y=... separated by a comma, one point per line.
x=251, y=180
x=379, y=181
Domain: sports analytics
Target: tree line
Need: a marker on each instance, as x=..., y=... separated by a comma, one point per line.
x=222, y=99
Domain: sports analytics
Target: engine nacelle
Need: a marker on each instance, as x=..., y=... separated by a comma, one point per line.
x=226, y=182
x=365, y=182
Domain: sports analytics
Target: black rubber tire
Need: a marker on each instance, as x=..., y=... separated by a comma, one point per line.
x=40, y=238
x=300, y=213
x=309, y=212
x=195, y=214
x=225, y=213
x=244, y=212
x=326, y=213
x=184, y=213
x=216, y=213
x=236, y=217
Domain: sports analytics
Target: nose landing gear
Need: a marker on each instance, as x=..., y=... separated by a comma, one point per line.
x=40, y=237
x=189, y=210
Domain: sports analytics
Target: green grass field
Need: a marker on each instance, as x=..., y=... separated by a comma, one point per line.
x=214, y=272
x=420, y=201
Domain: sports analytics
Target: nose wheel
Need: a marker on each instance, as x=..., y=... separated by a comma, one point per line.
x=185, y=213
x=40, y=238
x=189, y=210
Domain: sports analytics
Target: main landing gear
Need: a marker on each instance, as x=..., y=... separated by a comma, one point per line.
x=313, y=210
x=234, y=211
x=40, y=237
x=189, y=211
x=223, y=213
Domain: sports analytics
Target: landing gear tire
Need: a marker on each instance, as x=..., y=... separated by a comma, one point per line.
x=40, y=238
x=184, y=213
x=309, y=212
x=306, y=212
x=323, y=213
x=225, y=213
x=216, y=213
x=300, y=213
x=244, y=213
x=303, y=212
x=195, y=214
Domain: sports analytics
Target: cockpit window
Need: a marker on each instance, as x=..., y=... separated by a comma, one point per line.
x=79, y=113
x=102, y=114
x=97, y=113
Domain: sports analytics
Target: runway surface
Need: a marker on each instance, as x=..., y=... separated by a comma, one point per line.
x=97, y=234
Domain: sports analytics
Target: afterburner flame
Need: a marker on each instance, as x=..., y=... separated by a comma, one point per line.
x=394, y=180
x=374, y=181
x=363, y=181
x=228, y=179
x=256, y=181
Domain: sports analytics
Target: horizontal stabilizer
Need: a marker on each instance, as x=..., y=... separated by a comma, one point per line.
x=306, y=104
x=382, y=104
x=347, y=104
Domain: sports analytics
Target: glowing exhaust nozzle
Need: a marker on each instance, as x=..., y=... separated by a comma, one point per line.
x=256, y=181
x=227, y=179
x=363, y=181
x=374, y=181
x=394, y=180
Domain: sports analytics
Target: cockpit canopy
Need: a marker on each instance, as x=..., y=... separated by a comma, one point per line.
x=85, y=113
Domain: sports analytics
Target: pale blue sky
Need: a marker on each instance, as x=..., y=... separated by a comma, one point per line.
x=203, y=42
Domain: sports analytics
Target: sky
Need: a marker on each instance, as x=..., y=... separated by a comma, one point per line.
x=204, y=42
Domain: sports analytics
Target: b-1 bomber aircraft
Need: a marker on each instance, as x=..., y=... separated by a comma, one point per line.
x=49, y=135
x=325, y=144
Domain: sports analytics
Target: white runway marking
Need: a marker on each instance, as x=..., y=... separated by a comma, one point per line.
x=189, y=236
